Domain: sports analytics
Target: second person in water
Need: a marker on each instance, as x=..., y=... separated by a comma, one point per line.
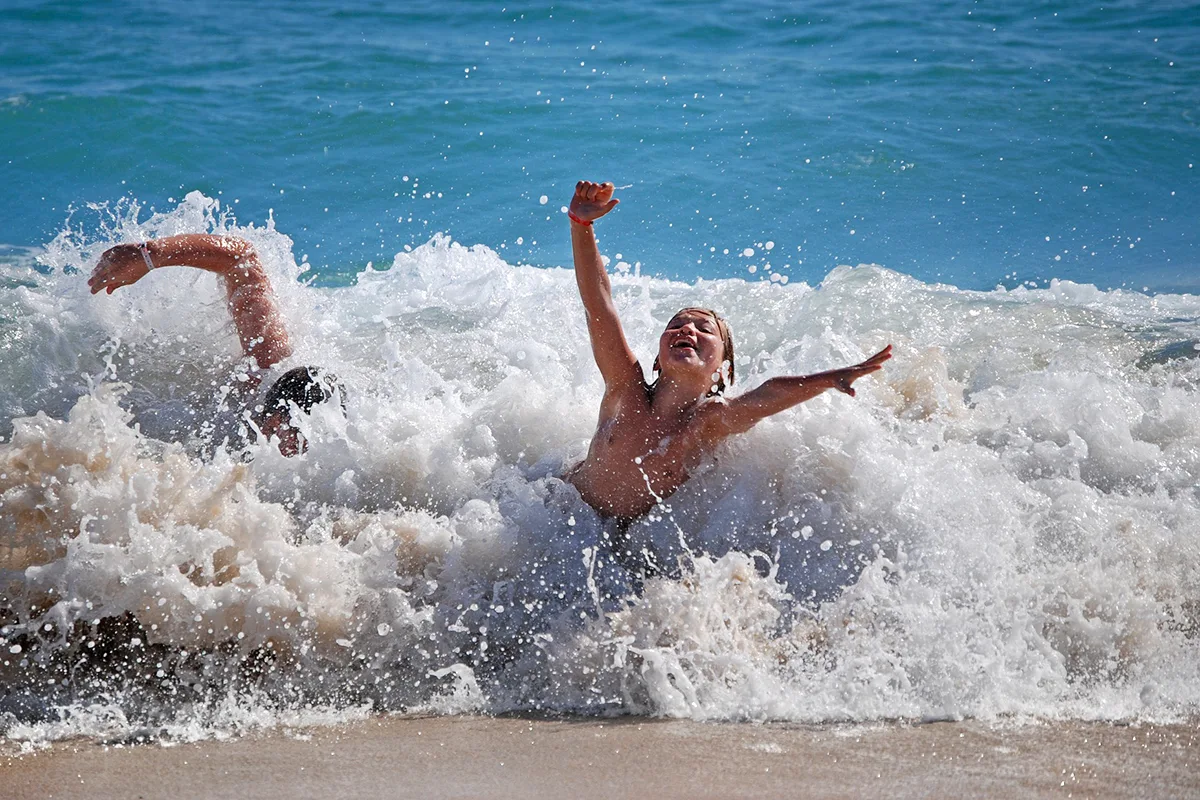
x=651, y=435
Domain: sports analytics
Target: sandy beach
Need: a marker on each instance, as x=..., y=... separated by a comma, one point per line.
x=447, y=757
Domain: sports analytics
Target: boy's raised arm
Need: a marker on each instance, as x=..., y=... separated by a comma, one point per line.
x=618, y=365
x=248, y=293
x=741, y=413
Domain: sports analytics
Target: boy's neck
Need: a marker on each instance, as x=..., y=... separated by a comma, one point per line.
x=674, y=397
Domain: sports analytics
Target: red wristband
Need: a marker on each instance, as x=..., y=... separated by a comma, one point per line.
x=580, y=220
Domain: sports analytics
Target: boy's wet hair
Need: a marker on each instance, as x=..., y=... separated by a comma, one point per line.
x=726, y=340
x=304, y=386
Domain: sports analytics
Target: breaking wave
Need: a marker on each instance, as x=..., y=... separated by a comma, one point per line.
x=1005, y=521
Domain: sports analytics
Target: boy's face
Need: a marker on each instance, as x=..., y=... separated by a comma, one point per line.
x=692, y=343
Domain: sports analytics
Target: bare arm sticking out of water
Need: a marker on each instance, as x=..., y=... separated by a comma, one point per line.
x=248, y=292
x=779, y=394
x=650, y=436
x=618, y=365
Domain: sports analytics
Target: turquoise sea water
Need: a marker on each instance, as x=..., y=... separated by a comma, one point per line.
x=969, y=143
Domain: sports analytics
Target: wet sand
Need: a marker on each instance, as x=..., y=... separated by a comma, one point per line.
x=515, y=757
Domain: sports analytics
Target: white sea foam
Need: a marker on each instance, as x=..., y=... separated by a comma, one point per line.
x=1004, y=521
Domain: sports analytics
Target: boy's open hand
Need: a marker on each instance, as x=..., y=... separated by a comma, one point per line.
x=843, y=379
x=592, y=200
x=119, y=266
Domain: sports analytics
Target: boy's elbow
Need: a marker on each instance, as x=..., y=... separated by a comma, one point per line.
x=239, y=248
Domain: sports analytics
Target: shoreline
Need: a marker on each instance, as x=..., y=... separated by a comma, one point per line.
x=436, y=757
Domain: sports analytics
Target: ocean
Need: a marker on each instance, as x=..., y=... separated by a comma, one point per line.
x=1005, y=523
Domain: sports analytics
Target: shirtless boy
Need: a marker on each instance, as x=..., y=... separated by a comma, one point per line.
x=650, y=436
x=252, y=305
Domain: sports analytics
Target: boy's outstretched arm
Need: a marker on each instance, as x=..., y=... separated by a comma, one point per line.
x=248, y=293
x=618, y=365
x=741, y=413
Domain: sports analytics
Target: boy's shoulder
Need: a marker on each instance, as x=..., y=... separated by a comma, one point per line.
x=716, y=418
x=710, y=408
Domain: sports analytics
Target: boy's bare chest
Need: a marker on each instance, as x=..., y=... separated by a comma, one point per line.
x=645, y=440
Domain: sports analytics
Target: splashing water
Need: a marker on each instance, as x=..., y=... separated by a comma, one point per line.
x=1005, y=521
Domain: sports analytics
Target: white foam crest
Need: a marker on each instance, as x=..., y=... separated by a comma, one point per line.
x=1004, y=521
x=186, y=547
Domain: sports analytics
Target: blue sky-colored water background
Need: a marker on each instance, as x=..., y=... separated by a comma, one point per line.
x=969, y=143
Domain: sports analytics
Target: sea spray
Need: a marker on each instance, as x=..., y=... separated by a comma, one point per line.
x=1004, y=521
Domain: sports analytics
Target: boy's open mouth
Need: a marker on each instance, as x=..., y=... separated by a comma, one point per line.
x=683, y=344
